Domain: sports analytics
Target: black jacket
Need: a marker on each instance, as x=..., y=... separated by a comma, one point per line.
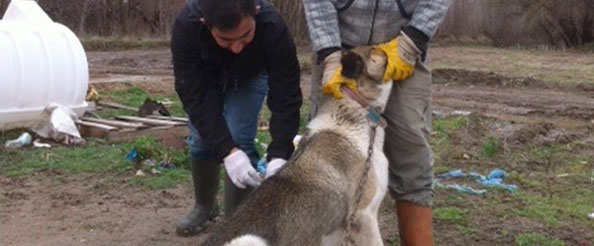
x=203, y=71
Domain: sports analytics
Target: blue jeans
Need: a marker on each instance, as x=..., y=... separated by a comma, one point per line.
x=241, y=108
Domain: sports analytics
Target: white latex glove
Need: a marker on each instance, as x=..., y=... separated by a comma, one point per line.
x=240, y=170
x=274, y=166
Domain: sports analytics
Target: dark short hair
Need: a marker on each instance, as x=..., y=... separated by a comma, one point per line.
x=226, y=14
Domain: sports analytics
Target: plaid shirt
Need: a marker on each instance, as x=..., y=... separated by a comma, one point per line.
x=367, y=22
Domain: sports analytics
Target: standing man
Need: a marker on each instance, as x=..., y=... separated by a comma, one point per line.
x=227, y=56
x=400, y=28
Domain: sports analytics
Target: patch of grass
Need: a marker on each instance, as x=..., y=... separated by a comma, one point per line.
x=150, y=148
x=303, y=116
x=536, y=239
x=88, y=226
x=263, y=138
x=3, y=200
x=440, y=168
x=448, y=125
x=262, y=141
x=480, y=41
x=94, y=157
x=392, y=240
x=97, y=157
x=451, y=215
x=466, y=231
x=524, y=181
x=443, y=127
x=538, y=210
x=571, y=207
x=304, y=59
x=164, y=180
x=121, y=43
x=491, y=146
x=452, y=200
x=134, y=97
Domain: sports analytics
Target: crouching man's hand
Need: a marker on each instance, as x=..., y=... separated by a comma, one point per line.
x=274, y=165
x=240, y=170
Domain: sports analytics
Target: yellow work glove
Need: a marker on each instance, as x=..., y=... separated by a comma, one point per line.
x=332, y=86
x=402, y=54
x=332, y=79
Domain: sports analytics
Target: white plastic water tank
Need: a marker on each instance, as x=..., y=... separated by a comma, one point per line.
x=41, y=62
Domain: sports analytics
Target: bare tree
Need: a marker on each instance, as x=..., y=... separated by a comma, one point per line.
x=529, y=22
x=294, y=16
x=85, y=11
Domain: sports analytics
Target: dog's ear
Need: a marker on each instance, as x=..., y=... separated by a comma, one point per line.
x=353, y=64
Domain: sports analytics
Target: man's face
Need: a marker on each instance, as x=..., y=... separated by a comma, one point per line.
x=236, y=39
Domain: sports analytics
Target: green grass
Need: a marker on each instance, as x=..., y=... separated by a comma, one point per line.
x=95, y=157
x=98, y=157
x=88, y=226
x=392, y=240
x=466, y=231
x=451, y=215
x=443, y=127
x=264, y=138
x=134, y=97
x=165, y=180
x=491, y=146
x=3, y=200
x=570, y=207
x=304, y=60
x=536, y=239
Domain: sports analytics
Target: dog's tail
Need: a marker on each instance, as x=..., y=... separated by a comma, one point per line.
x=247, y=240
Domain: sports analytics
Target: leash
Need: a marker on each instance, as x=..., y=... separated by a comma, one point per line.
x=373, y=113
x=378, y=120
x=347, y=239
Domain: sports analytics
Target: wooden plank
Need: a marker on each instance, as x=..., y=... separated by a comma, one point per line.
x=117, y=123
x=91, y=129
x=97, y=125
x=87, y=131
x=159, y=132
x=116, y=106
x=149, y=121
x=158, y=117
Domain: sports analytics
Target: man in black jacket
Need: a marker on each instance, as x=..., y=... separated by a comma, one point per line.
x=227, y=56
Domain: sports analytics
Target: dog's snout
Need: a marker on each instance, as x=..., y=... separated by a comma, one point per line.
x=352, y=64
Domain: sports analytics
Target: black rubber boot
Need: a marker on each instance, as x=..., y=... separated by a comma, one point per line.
x=234, y=196
x=205, y=174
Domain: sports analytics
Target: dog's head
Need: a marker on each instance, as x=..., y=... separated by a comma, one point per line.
x=366, y=65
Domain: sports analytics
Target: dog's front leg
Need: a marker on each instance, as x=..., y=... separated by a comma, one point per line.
x=366, y=231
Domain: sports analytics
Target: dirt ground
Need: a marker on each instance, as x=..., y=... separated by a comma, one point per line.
x=83, y=210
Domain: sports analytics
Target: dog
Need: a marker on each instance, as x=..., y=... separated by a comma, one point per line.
x=313, y=199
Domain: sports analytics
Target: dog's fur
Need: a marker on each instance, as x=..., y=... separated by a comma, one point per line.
x=309, y=200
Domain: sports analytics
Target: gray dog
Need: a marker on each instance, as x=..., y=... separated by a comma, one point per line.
x=321, y=191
